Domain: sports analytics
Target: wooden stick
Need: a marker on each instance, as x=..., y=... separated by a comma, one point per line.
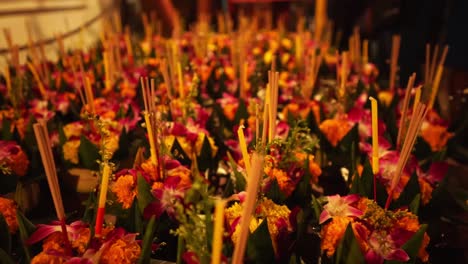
x=218, y=231
x=167, y=79
x=35, y=74
x=248, y=207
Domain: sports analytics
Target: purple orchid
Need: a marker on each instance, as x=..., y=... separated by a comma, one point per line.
x=340, y=206
x=44, y=231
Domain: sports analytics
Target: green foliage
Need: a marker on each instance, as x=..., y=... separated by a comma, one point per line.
x=88, y=153
x=348, y=250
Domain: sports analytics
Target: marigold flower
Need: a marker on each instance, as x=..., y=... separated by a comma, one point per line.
x=426, y=191
x=121, y=251
x=435, y=135
x=332, y=233
x=278, y=219
x=286, y=185
x=44, y=258
x=8, y=209
x=124, y=189
x=335, y=130
x=70, y=151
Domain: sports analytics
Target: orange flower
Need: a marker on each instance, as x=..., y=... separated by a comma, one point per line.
x=81, y=241
x=122, y=251
x=335, y=130
x=435, y=135
x=285, y=183
x=426, y=191
x=124, y=189
x=314, y=168
x=332, y=233
x=8, y=209
x=148, y=167
x=410, y=222
x=230, y=110
x=184, y=174
x=44, y=258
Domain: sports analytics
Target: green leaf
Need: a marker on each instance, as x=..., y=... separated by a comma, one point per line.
x=6, y=133
x=25, y=228
x=316, y=206
x=5, y=242
x=259, y=245
x=348, y=250
x=274, y=193
x=414, y=205
x=124, y=142
x=364, y=184
x=5, y=257
x=240, y=179
x=411, y=247
x=147, y=241
x=411, y=190
x=205, y=160
x=179, y=153
x=62, y=137
x=90, y=204
x=88, y=153
x=144, y=195
x=241, y=112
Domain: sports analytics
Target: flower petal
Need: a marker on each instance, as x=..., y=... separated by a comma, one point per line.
x=349, y=199
x=324, y=216
x=42, y=232
x=352, y=211
x=373, y=258
x=398, y=254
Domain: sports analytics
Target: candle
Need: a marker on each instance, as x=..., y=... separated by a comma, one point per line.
x=181, y=83
x=243, y=147
x=375, y=137
x=106, y=172
x=217, y=244
x=365, y=55
x=151, y=138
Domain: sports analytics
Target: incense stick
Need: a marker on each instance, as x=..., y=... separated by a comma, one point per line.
x=42, y=138
x=396, y=39
x=405, y=109
x=249, y=204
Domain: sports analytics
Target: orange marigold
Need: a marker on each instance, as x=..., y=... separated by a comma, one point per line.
x=426, y=191
x=124, y=189
x=285, y=183
x=122, y=252
x=332, y=233
x=44, y=258
x=435, y=135
x=80, y=243
x=8, y=209
x=335, y=130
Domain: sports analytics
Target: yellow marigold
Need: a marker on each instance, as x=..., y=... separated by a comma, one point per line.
x=286, y=43
x=199, y=144
x=426, y=191
x=122, y=252
x=229, y=71
x=385, y=97
x=112, y=143
x=254, y=223
x=285, y=58
x=124, y=189
x=8, y=209
x=157, y=186
x=233, y=212
x=127, y=91
x=73, y=129
x=70, y=151
x=274, y=213
x=332, y=233
x=335, y=130
x=268, y=57
x=285, y=183
x=44, y=258
x=435, y=135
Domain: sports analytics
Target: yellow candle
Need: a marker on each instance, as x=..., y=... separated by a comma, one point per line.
x=106, y=72
x=181, y=83
x=243, y=147
x=435, y=85
x=151, y=138
x=104, y=185
x=89, y=95
x=218, y=231
x=417, y=98
x=375, y=137
x=298, y=51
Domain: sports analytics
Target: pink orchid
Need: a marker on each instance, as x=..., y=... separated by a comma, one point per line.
x=383, y=246
x=166, y=198
x=340, y=206
x=44, y=231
